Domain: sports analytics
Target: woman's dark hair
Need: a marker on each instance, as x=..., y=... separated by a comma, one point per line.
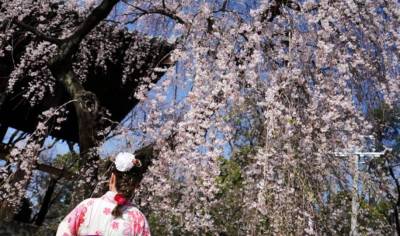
x=126, y=182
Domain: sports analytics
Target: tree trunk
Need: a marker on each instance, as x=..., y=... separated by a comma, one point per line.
x=396, y=220
x=46, y=203
x=354, y=198
x=86, y=104
x=3, y=131
x=2, y=98
x=89, y=114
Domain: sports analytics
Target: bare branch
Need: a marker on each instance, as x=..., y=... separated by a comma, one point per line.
x=59, y=173
x=163, y=11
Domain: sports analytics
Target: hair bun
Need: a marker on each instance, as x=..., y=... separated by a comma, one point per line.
x=125, y=161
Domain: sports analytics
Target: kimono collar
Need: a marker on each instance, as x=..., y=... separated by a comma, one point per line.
x=109, y=196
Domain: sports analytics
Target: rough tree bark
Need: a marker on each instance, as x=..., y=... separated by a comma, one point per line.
x=87, y=106
x=89, y=114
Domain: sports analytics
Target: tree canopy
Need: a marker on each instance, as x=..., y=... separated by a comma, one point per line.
x=275, y=117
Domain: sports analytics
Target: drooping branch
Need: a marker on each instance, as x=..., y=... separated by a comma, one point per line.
x=59, y=173
x=145, y=154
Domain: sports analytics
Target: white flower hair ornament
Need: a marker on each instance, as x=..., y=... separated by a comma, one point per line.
x=125, y=161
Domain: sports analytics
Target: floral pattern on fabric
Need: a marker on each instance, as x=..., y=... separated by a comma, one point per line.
x=76, y=218
x=107, y=211
x=114, y=225
x=93, y=217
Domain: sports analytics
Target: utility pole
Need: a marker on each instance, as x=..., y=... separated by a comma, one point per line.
x=356, y=173
x=354, y=197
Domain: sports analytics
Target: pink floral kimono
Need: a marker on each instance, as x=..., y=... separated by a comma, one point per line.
x=93, y=217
